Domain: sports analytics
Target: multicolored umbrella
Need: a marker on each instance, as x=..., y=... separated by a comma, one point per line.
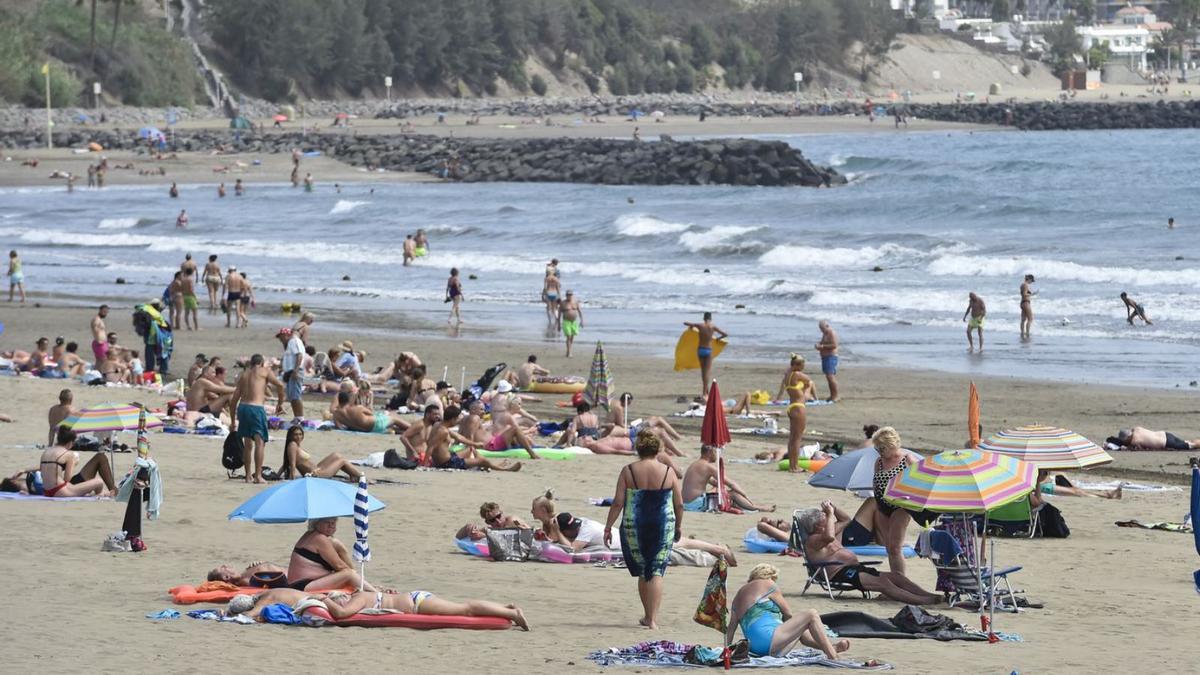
x=962, y=481
x=362, y=549
x=600, y=381
x=1047, y=447
x=110, y=417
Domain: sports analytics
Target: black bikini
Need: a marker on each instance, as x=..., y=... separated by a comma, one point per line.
x=311, y=556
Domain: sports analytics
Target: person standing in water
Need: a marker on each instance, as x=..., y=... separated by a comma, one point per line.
x=221, y=190
x=308, y=182
x=704, y=352
x=454, y=295
x=181, y=222
x=420, y=244
x=828, y=349
x=409, y=250
x=1133, y=308
x=977, y=311
x=212, y=281
x=551, y=288
x=570, y=317
x=1027, y=294
x=239, y=188
x=16, y=276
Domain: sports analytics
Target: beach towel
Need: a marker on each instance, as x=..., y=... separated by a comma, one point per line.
x=647, y=531
x=22, y=497
x=664, y=653
x=858, y=625
x=1126, y=486
x=1164, y=526
x=713, y=610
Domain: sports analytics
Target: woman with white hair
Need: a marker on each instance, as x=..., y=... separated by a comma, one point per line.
x=766, y=620
x=321, y=562
x=891, y=521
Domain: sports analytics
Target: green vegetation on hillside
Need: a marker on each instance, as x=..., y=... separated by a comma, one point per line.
x=282, y=48
x=138, y=61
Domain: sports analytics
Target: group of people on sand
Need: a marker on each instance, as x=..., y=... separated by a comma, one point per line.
x=318, y=571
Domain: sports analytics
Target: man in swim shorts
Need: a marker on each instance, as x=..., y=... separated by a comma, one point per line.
x=249, y=399
x=977, y=311
x=409, y=251
x=188, y=284
x=235, y=286
x=1133, y=308
x=441, y=436
x=704, y=352
x=570, y=317
x=100, y=335
x=703, y=473
x=208, y=394
x=1140, y=438
x=828, y=349
x=354, y=417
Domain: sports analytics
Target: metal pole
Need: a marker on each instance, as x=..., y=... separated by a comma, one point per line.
x=49, y=122
x=462, y=379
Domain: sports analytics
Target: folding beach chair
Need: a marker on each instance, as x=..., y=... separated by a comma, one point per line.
x=818, y=572
x=968, y=589
x=1018, y=519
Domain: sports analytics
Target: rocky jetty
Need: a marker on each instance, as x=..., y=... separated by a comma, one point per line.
x=564, y=160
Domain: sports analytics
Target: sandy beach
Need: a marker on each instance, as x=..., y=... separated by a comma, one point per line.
x=1111, y=594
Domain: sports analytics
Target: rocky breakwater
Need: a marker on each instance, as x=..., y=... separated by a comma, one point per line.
x=600, y=161
x=1046, y=116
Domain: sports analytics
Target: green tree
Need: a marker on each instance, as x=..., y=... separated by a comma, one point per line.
x=1001, y=11
x=1063, y=44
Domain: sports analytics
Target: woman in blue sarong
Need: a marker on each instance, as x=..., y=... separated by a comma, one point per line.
x=651, y=508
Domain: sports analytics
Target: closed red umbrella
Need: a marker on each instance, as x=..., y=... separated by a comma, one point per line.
x=714, y=431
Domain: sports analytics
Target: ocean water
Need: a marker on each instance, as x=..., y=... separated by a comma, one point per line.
x=940, y=215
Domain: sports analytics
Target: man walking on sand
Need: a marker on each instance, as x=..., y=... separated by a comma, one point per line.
x=293, y=375
x=978, y=311
x=235, y=287
x=704, y=352
x=570, y=316
x=828, y=348
x=100, y=335
x=1027, y=294
x=249, y=400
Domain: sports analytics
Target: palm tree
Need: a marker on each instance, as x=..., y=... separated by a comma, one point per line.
x=112, y=42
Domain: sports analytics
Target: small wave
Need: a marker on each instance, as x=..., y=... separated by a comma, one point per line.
x=508, y=209
x=716, y=240
x=641, y=225
x=859, y=163
x=996, y=266
x=123, y=223
x=345, y=206
x=805, y=257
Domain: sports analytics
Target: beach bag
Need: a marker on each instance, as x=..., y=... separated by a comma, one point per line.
x=713, y=610
x=1052, y=524
x=231, y=452
x=510, y=544
x=394, y=460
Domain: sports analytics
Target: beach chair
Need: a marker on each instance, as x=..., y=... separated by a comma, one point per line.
x=968, y=589
x=1018, y=519
x=818, y=573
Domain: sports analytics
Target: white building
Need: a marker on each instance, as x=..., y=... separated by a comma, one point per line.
x=1129, y=43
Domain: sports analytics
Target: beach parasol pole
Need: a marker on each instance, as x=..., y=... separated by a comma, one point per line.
x=362, y=549
x=445, y=372
x=462, y=379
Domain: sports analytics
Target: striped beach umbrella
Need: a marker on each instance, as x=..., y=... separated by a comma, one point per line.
x=143, y=441
x=1047, y=447
x=962, y=481
x=600, y=381
x=110, y=417
x=362, y=549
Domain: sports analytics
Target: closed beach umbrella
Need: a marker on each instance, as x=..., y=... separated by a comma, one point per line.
x=1196, y=517
x=362, y=549
x=973, y=417
x=714, y=431
x=110, y=417
x=297, y=501
x=143, y=441
x=962, y=481
x=853, y=471
x=1047, y=447
x=600, y=381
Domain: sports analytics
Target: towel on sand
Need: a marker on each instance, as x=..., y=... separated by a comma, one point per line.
x=664, y=653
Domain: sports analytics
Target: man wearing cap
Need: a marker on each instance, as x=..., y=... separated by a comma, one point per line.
x=100, y=335
x=235, y=287
x=570, y=316
x=293, y=376
x=347, y=364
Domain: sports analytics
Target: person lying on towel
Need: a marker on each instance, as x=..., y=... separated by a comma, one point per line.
x=822, y=545
x=262, y=574
x=341, y=605
x=1141, y=438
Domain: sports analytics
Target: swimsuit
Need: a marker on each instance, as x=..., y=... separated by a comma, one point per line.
x=497, y=443
x=975, y=322
x=455, y=462
x=251, y=421
x=382, y=422
x=829, y=364
x=1176, y=443
x=313, y=557
x=696, y=504
x=704, y=352
x=880, y=483
x=17, y=276
x=551, y=297
x=99, y=350
x=234, y=296
x=850, y=575
x=417, y=598
x=570, y=327
x=856, y=534
x=189, y=302
x=798, y=388
x=759, y=623
x=589, y=432
x=50, y=492
x=420, y=252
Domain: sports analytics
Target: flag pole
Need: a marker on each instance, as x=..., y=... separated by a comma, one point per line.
x=49, y=122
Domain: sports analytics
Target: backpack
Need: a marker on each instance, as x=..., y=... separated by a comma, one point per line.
x=231, y=453
x=1052, y=524
x=141, y=323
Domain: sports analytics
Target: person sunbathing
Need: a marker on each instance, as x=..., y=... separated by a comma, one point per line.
x=345, y=605
x=506, y=430
x=59, y=478
x=766, y=620
x=471, y=426
x=1059, y=485
x=247, y=576
x=439, y=439
x=297, y=462
x=622, y=445
x=1140, y=438
x=208, y=394
x=363, y=419
x=618, y=424
x=319, y=561
x=704, y=472
x=856, y=531
x=493, y=516
x=822, y=545
x=584, y=424
x=252, y=606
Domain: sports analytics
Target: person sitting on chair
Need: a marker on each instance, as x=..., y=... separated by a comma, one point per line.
x=822, y=546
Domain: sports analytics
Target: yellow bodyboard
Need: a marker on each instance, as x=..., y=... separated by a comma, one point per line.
x=685, y=350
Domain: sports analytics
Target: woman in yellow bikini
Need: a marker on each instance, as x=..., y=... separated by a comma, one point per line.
x=797, y=385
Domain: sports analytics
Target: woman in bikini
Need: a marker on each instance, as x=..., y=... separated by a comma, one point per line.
x=766, y=620
x=297, y=462
x=797, y=385
x=321, y=562
x=454, y=295
x=59, y=478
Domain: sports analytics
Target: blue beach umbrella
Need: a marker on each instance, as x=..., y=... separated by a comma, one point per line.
x=150, y=132
x=362, y=549
x=853, y=471
x=300, y=500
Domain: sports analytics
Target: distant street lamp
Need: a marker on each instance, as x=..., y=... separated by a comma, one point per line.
x=387, y=82
x=798, y=77
x=95, y=95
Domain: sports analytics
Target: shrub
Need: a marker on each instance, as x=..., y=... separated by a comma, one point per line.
x=538, y=84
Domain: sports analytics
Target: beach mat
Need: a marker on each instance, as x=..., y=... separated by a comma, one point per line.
x=188, y=595
x=1164, y=526
x=22, y=497
x=417, y=621
x=861, y=626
